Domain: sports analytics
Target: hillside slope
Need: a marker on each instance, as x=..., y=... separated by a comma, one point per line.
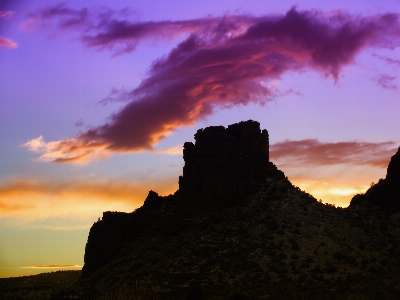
x=238, y=228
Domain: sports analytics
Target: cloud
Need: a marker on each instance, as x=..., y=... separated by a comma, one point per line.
x=224, y=62
x=4, y=42
x=67, y=151
x=386, y=81
x=79, y=123
x=108, y=29
x=67, y=17
x=6, y=14
x=395, y=62
x=37, y=203
x=53, y=266
x=312, y=152
x=176, y=150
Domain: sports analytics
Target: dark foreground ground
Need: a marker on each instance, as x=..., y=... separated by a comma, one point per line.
x=40, y=286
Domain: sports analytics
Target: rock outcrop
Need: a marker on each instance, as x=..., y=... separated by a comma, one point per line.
x=225, y=164
x=221, y=169
x=237, y=226
x=108, y=235
x=386, y=193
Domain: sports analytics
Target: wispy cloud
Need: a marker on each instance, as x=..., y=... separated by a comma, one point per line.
x=6, y=14
x=4, y=42
x=38, y=203
x=395, y=62
x=53, y=266
x=109, y=29
x=387, y=82
x=312, y=152
x=224, y=62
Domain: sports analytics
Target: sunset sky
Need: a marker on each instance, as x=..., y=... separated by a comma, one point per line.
x=98, y=97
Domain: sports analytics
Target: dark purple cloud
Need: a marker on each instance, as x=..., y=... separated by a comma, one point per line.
x=312, y=152
x=108, y=29
x=64, y=16
x=224, y=62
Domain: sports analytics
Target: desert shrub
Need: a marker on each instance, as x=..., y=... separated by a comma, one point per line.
x=294, y=256
x=339, y=255
x=293, y=243
x=351, y=260
x=309, y=259
x=304, y=264
x=280, y=231
x=293, y=267
x=330, y=267
x=143, y=291
x=296, y=231
x=272, y=225
x=317, y=269
x=282, y=255
x=361, y=246
x=196, y=294
x=239, y=296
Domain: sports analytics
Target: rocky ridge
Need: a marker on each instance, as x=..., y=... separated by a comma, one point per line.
x=237, y=228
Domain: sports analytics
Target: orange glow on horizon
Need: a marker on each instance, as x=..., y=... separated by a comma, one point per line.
x=28, y=201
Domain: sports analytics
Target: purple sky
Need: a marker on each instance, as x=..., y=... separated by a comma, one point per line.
x=98, y=97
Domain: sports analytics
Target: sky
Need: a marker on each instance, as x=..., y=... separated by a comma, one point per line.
x=98, y=97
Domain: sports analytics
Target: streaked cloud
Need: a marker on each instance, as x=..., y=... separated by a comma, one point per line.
x=6, y=42
x=108, y=29
x=176, y=150
x=393, y=61
x=312, y=152
x=66, y=151
x=387, y=82
x=45, y=204
x=53, y=266
x=6, y=13
x=225, y=62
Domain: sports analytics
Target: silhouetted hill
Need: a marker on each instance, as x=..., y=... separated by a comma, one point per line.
x=385, y=194
x=238, y=229
x=41, y=286
x=221, y=170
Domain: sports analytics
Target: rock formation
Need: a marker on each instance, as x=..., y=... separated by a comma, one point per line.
x=225, y=163
x=386, y=193
x=221, y=169
x=237, y=225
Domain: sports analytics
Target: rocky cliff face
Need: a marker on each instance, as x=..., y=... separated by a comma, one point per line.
x=225, y=164
x=386, y=193
x=238, y=226
x=221, y=169
x=116, y=229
